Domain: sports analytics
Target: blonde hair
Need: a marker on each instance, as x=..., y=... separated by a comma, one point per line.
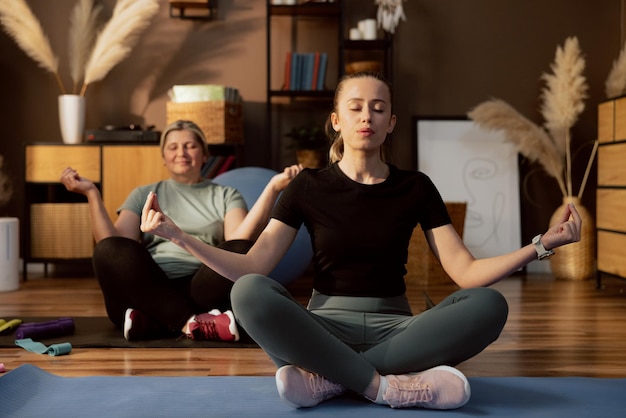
x=186, y=125
x=335, y=152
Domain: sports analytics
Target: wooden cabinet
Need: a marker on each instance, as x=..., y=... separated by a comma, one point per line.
x=126, y=167
x=611, y=191
x=57, y=225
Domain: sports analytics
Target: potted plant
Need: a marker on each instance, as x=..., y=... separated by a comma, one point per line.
x=310, y=143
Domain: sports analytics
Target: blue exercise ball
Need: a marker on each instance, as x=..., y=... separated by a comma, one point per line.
x=250, y=181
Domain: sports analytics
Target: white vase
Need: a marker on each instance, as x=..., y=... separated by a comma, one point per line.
x=72, y=118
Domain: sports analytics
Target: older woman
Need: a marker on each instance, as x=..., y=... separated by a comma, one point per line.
x=152, y=288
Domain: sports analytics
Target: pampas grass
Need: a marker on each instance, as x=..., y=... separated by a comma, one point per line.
x=529, y=139
x=119, y=35
x=615, y=84
x=563, y=98
x=562, y=102
x=83, y=30
x=92, y=55
x=22, y=25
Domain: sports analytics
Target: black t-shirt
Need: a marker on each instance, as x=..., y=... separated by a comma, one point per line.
x=360, y=233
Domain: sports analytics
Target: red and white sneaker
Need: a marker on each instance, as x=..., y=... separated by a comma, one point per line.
x=214, y=325
x=138, y=326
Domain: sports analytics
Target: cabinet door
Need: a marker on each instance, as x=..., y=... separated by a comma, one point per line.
x=125, y=167
x=611, y=167
x=611, y=253
x=44, y=163
x=611, y=206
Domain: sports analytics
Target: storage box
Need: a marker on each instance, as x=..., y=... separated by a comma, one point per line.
x=422, y=266
x=221, y=121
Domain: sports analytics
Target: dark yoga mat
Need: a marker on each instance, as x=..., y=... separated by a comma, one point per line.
x=31, y=392
x=94, y=332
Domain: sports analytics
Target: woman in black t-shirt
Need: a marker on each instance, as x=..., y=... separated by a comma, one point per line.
x=358, y=333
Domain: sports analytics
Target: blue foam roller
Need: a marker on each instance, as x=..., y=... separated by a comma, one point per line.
x=250, y=181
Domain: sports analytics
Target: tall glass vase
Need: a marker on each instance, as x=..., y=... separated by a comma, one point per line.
x=72, y=118
x=576, y=261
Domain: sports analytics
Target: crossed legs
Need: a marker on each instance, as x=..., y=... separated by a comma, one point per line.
x=457, y=329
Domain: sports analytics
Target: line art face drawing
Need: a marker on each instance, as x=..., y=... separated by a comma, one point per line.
x=472, y=165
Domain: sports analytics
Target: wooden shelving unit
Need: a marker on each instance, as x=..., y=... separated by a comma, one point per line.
x=293, y=28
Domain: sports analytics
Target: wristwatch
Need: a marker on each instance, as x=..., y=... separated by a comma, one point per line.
x=542, y=253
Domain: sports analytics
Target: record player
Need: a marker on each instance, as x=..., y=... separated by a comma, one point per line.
x=123, y=134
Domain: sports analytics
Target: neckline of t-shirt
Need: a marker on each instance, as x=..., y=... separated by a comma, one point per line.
x=354, y=182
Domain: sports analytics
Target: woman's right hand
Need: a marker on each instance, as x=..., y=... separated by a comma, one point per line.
x=75, y=183
x=154, y=221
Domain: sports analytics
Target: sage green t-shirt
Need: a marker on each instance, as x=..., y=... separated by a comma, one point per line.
x=198, y=209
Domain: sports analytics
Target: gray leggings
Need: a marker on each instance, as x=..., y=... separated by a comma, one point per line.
x=348, y=339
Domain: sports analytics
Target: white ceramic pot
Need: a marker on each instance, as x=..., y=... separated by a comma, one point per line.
x=72, y=118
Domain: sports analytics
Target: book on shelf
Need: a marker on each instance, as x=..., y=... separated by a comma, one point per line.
x=209, y=166
x=216, y=165
x=287, y=85
x=308, y=61
x=316, y=70
x=226, y=165
x=321, y=80
x=305, y=71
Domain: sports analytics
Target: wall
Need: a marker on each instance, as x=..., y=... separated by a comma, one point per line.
x=452, y=55
x=449, y=56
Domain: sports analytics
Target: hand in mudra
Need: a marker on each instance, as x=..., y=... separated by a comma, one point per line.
x=154, y=221
x=565, y=231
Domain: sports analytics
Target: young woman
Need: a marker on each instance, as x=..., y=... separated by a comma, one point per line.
x=358, y=332
x=152, y=288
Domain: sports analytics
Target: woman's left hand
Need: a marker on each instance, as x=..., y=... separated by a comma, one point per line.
x=154, y=221
x=566, y=230
x=281, y=180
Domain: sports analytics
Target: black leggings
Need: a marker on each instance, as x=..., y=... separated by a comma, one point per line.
x=130, y=278
x=348, y=339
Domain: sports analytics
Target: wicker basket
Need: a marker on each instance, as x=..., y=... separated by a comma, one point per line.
x=422, y=266
x=50, y=223
x=575, y=261
x=219, y=120
x=360, y=66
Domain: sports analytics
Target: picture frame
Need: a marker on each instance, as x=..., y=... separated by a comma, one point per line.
x=470, y=164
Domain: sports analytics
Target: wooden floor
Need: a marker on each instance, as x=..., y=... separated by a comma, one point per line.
x=555, y=328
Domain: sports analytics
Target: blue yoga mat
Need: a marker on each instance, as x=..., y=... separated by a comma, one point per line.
x=31, y=392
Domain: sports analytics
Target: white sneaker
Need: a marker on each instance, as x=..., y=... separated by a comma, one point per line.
x=441, y=387
x=299, y=388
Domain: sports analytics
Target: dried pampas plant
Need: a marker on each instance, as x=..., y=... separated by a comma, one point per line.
x=563, y=98
x=530, y=140
x=389, y=14
x=119, y=35
x=563, y=101
x=22, y=25
x=83, y=30
x=615, y=84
